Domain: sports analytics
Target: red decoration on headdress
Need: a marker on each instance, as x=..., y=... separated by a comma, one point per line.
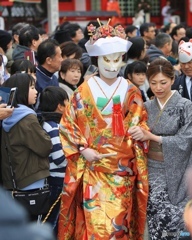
x=105, y=31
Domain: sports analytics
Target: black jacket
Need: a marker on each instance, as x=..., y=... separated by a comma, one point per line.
x=180, y=86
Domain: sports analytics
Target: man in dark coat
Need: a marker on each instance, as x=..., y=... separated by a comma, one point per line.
x=183, y=83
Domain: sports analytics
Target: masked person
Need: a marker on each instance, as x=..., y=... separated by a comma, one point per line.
x=106, y=185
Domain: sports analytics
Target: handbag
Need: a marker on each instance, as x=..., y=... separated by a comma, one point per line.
x=35, y=201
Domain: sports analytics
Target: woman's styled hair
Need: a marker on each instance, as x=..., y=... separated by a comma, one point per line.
x=135, y=67
x=22, y=81
x=50, y=98
x=69, y=48
x=22, y=65
x=160, y=65
x=68, y=64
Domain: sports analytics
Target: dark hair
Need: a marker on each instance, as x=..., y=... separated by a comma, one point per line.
x=69, y=48
x=136, y=48
x=189, y=32
x=135, y=67
x=22, y=81
x=175, y=29
x=27, y=34
x=50, y=98
x=17, y=27
x=67, y=32
x=160, y=65
x=145, y=28
x=161, y=39
x=22, y=65
x=47, y=48
x=68, y=64
x=130, y=29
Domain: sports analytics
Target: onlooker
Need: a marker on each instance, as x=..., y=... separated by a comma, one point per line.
x=147, y=31
x=15, y=30
x=183, y=82
x=168, y=27
x=169, y=119
x=70, y=74
x=189, y=32
x=70, y=50
x=166, y=13
x=178, y=32
x=27, y=144
x=131, y=31
x=23, y=66
x=5, y=40
x=69, y=32
x=44, y=35
x=52, y=103
x=161, y=48
x=137, y=51
x=5, y=45
x=136, y=73
x=29, y=40
x=49, y=58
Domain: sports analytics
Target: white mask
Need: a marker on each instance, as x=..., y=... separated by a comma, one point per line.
x=109, y=65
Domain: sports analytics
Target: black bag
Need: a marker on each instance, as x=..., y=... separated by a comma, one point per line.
x=36, y=202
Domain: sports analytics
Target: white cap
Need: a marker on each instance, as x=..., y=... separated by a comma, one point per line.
x=185, y=51
x=108, y=45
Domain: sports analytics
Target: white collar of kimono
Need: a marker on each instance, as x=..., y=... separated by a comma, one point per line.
x=163, y=105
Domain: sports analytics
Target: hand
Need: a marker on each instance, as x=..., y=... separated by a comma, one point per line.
x=5, y=112
x=137, y=133
x=90, y=155
x=86, y=78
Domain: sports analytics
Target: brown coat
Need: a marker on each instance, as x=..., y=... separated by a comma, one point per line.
x=29, y=147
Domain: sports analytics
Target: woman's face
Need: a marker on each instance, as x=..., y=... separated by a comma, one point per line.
x=72, y=76
x=32, y=96
x=161, y=86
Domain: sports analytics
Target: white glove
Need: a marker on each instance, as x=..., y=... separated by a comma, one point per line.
x=90, y=155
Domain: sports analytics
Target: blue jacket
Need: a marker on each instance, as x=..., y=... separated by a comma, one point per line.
x=44, y=80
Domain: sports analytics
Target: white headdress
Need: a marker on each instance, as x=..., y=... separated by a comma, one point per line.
x=107, y=40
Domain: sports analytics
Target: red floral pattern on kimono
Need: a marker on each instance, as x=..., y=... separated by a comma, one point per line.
x=103, y=199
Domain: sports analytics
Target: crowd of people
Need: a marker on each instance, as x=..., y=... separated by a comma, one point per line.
x=115, y=145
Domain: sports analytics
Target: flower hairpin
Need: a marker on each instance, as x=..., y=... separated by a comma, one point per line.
x=104, y=31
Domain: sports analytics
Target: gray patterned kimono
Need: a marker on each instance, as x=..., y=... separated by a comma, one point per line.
x=167, y=196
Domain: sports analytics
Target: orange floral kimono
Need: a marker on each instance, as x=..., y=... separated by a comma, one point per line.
x=104, y=199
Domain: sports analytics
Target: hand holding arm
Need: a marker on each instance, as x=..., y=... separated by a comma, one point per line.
x=141, y=134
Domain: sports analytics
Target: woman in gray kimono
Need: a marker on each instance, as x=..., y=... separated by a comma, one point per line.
x=169, y=155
